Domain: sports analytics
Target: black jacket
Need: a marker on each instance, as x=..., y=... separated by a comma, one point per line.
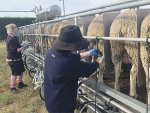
x=62, y=70
x=13, y=43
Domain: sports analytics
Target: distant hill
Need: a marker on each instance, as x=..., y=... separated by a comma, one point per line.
x=17, y=20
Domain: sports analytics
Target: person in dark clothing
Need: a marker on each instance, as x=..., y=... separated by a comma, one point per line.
x=63, y=68
x=14, y=57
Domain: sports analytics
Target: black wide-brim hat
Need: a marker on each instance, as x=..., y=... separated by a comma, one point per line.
x=70, y=38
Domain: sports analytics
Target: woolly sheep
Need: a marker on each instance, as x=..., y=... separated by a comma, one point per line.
x=47, y=40
x=64, y=23
x=145, y=33
x=38, y=38
x=125, y=25
x=96, y=29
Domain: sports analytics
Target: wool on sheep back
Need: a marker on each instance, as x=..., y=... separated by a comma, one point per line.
x=82, y=31
x=64, y=23
x=38, y=38
x=47, y=40
x=55, y=31
x=125, y=25
x=96, y=29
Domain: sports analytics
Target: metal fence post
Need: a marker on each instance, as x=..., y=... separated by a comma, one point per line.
x=26, y=33
x=76, y=23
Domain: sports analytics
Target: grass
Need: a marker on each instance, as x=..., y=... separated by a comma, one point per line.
x=27, y=101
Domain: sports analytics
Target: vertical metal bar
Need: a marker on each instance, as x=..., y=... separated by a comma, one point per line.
x=26, y=33
x=36, y=19
x=76, y=20
x=46, y=16
x=76, y=23
x=18, y=34
x=96, y=75
x=64, y=7
x=147, y=80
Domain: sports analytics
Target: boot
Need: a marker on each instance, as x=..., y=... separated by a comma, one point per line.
x=21, y=85
x=14, y=90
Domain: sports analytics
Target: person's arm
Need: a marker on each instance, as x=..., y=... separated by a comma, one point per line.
x=81, y=69
x=84, y=54
x=22, y=44
x=19, y=49
x=90, y=53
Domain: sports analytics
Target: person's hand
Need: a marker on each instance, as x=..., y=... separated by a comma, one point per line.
x=94, y=52
x=22, y=44
x=99, y=58
x=25, y=46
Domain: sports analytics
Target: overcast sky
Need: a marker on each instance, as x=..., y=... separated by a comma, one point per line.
x=70, y=5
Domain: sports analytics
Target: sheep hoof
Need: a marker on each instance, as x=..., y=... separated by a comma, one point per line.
x=117, y=88
x=101, y=82
x=135, y=96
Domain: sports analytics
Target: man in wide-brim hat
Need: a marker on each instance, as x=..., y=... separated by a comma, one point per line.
x=63, y=68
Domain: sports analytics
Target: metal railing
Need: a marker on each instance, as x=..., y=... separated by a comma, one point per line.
x=103, y=6
x=109, y=9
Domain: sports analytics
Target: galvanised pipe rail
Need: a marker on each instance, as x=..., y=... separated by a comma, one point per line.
x=103, y=6
x=15, y=11
x=115, y=8
x=81, y=99
x=102, y=38
x=108, y=99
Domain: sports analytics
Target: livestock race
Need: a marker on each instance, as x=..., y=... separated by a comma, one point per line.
x=91, y=61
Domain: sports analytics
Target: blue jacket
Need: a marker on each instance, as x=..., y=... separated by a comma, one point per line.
x=61, y=73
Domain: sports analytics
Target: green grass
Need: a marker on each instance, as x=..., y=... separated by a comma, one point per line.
x=27, y=101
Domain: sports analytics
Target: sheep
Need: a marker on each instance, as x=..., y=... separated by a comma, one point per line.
x=145, y=33
x=47, y=40
x=64, y=23
x=96, y=29
x=38, y=46
x=125, y=25
x=21, y=35
x=82, y=30
x=55, y=31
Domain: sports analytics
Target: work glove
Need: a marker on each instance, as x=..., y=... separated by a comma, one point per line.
x=25, y=46
x=94, y=52
x=100, y=57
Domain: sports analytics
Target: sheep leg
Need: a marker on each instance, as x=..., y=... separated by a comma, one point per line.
x=149, y=93
x=133, y=75
x=93, y=58
x=101, y=70
x=117, y=75
x=146, y=70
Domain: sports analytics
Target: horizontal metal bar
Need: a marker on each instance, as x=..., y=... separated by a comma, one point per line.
x=16, y=11
x=108, y=100
x=36, y=57
x=118, y=38
x=96, y=104
x=92, y=108
x=40, y=35
x=134, y=104
x=103, y=6
x=103, y=38
x=115, y=8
